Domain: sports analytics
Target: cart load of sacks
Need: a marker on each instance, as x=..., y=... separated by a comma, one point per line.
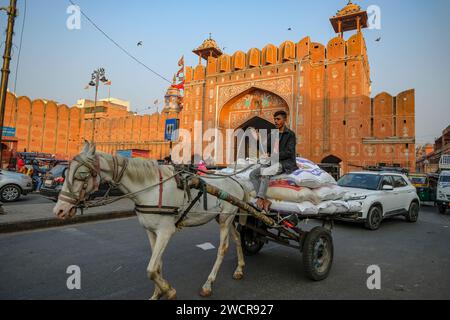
x=309, y=191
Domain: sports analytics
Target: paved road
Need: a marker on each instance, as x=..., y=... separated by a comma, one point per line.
x=113, y=256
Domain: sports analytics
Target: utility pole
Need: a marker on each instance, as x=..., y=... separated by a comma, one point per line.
x=12, y=13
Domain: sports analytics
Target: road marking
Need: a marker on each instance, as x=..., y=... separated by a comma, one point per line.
x=206, y=246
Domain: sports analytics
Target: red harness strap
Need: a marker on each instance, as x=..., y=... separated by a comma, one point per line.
x=161, y=189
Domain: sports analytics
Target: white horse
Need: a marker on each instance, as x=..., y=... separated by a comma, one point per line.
x=90, y=168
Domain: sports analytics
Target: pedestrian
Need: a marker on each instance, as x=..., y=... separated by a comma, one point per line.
x=37, y=174
x=202, y=168
x=20, y=164
x=168, y=161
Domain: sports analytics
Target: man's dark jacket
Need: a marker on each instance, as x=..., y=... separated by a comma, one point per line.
x=288, y=145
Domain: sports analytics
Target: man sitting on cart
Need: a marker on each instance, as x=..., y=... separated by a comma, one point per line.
x=285, y=148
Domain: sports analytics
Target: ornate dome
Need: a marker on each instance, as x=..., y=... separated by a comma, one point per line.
x=208, y=44
x=172, y=98
x=349, y=9
x=208, y=48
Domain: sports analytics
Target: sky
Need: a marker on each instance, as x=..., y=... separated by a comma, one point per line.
x=56, y=63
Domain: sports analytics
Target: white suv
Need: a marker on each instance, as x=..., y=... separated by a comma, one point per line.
x=383, y=194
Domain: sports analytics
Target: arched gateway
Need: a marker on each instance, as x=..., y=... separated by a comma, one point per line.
x=253, y=108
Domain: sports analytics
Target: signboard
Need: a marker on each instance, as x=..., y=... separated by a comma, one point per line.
x=172, y=125
x=133, y=153
x=9, y=132
x=136, y=153
x=124, y=153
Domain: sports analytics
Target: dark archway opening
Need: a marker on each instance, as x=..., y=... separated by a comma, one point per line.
x=332, y=165
x=258, y=124
x=332, y=160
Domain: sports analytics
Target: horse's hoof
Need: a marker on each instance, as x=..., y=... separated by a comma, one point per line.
x=172, y=295
x=205, y=293
x=238, y=275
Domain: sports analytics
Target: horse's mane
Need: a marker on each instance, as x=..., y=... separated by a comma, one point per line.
x=141, y=170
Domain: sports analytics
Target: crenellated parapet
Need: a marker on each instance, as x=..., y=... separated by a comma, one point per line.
x=44, y=125
x=287, y=53
x=393, y=116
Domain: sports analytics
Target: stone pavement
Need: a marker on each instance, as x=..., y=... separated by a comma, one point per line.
x=29, y=215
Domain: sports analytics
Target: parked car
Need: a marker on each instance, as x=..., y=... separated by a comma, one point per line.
x=13, y=185
x=54, y=181
x=383, y=194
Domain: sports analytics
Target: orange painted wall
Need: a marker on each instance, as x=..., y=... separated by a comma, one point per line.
x=44, y=126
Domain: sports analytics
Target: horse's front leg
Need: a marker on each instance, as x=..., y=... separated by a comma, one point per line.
x=162, y=287
x=239, y=272
x=157, y=293
x=223, y=248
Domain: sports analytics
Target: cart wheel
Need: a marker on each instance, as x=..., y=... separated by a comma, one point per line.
x=318, y=254
x=251, y=242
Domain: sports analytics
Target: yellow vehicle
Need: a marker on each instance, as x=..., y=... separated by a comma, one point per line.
x=425, y=185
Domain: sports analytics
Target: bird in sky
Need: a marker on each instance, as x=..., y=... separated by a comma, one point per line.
x=290, y=29
x=378, y=39
x=140, y=43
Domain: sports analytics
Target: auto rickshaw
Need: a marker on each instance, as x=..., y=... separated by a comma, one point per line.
x=426, y=186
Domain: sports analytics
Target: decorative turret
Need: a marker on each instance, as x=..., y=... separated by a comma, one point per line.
x=208, y=48
x=351, y=17
x=172, y=98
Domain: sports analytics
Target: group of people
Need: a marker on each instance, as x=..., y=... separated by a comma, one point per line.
x=35, y=169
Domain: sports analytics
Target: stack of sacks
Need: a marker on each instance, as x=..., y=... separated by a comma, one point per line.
x=243, y=176
x=331, y=192
x=309, y=175
x=305, y=207
x=308, y=190
x=288, y=190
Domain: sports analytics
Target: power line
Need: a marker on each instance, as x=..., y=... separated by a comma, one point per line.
x=119, y=46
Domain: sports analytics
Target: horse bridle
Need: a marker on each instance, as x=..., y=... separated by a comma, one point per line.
x=94, y=173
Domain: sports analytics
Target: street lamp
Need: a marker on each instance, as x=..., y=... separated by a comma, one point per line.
x=97, y=77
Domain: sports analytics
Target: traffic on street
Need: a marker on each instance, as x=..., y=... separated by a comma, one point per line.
x=413, y=261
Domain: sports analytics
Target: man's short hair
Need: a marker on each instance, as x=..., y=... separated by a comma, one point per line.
x=280, y=113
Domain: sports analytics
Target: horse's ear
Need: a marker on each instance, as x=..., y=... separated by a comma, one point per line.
x=92, y=149
x=86, y=147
